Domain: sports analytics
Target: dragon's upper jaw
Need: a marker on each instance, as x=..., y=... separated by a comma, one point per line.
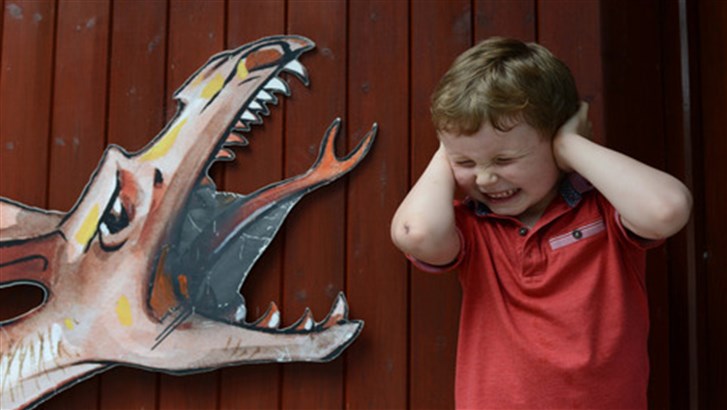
x=218, y=103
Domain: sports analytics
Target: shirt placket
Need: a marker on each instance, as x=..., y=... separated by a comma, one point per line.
x=529, y=253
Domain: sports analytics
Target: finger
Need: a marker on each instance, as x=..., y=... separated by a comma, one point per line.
x=583, y=110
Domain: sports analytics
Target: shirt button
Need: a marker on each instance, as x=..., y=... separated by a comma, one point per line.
x=523, y=231
x=577, y=234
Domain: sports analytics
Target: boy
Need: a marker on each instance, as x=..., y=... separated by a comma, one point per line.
x=550, y=242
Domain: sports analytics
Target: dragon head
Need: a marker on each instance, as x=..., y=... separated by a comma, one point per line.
x=145, y=269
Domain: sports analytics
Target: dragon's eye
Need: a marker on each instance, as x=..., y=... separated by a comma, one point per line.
x=116, y=218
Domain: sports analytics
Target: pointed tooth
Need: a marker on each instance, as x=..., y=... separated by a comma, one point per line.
x=298, y=70
x=274, y=321
x=254, y=105
x=225, y=154
x=295, y=67
x=276, y=84
x=236, y=140
x=271, y=319
x=248, y=116
x=266, y=96
x=308, y=324
x=339, y=312
x=241, y=126
x=104, y=229
x=258, y=108
x=305, y=322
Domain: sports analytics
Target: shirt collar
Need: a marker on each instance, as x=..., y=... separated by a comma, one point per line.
x=571, y=189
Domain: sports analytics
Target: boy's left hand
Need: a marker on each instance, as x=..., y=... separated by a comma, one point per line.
x=577, y=126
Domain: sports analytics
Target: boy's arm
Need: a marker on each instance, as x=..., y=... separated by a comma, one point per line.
x=652, y=203
x=424, y=225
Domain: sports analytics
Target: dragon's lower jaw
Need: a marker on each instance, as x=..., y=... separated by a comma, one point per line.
x=190, y=349
x=262, y=341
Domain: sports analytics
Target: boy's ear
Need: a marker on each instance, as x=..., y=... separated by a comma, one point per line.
x=19, y=221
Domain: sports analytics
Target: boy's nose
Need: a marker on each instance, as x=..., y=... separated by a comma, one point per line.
x=485, y=178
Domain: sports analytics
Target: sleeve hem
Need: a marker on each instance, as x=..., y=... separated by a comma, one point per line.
x=428, y=267
x=632, y=238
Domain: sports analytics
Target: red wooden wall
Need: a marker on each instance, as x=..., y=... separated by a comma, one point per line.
x=77, y=75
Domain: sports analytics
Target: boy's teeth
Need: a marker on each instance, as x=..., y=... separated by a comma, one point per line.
x=503, y=194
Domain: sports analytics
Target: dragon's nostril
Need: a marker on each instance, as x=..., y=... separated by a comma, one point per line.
x=262, y=58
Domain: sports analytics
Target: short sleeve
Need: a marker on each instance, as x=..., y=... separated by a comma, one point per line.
x=427, y=267
x=627, y=236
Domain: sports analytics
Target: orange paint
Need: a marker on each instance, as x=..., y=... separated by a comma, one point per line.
x=162, y=298
x=261, y=58
x=183, y=286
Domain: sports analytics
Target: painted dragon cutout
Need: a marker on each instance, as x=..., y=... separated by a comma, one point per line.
x=146, y=269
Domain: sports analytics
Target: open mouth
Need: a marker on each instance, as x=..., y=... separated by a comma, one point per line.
x=502, y=195
x=220, y=235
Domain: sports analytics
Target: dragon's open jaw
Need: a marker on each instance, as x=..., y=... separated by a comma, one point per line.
x=213, y=227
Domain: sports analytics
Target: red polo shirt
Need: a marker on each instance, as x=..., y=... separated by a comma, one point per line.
x=555, y=316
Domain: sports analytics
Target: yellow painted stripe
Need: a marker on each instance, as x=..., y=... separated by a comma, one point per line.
x=165, y=143
x=69, y=323
x=88, y=227
x=123, y=311
x=197, y=80
x=213, y=86
x=242, y=70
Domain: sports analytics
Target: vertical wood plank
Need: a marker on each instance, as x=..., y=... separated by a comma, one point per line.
x=314, y=269
x=684, y=156
x=2, y=21
x=440, y=31
x=25, y=95
x=634, y=125
x=571, y=29
x=136, y=114
x=196, y=32
x=713, y=42
x=78, y=135
x=515, y=18
x=78, y=127
x=679, y=165
x=376, y=270
x=138, y=66
x=259, y=164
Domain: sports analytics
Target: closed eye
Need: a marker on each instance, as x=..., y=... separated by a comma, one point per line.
x=465, y=163
x=504, y=160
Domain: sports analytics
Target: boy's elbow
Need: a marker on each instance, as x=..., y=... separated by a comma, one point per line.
x=680, y=210
x=407, y=237
x=424, y=243
x=671, y=214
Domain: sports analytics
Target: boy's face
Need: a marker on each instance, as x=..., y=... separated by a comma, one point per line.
x=512, y=172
